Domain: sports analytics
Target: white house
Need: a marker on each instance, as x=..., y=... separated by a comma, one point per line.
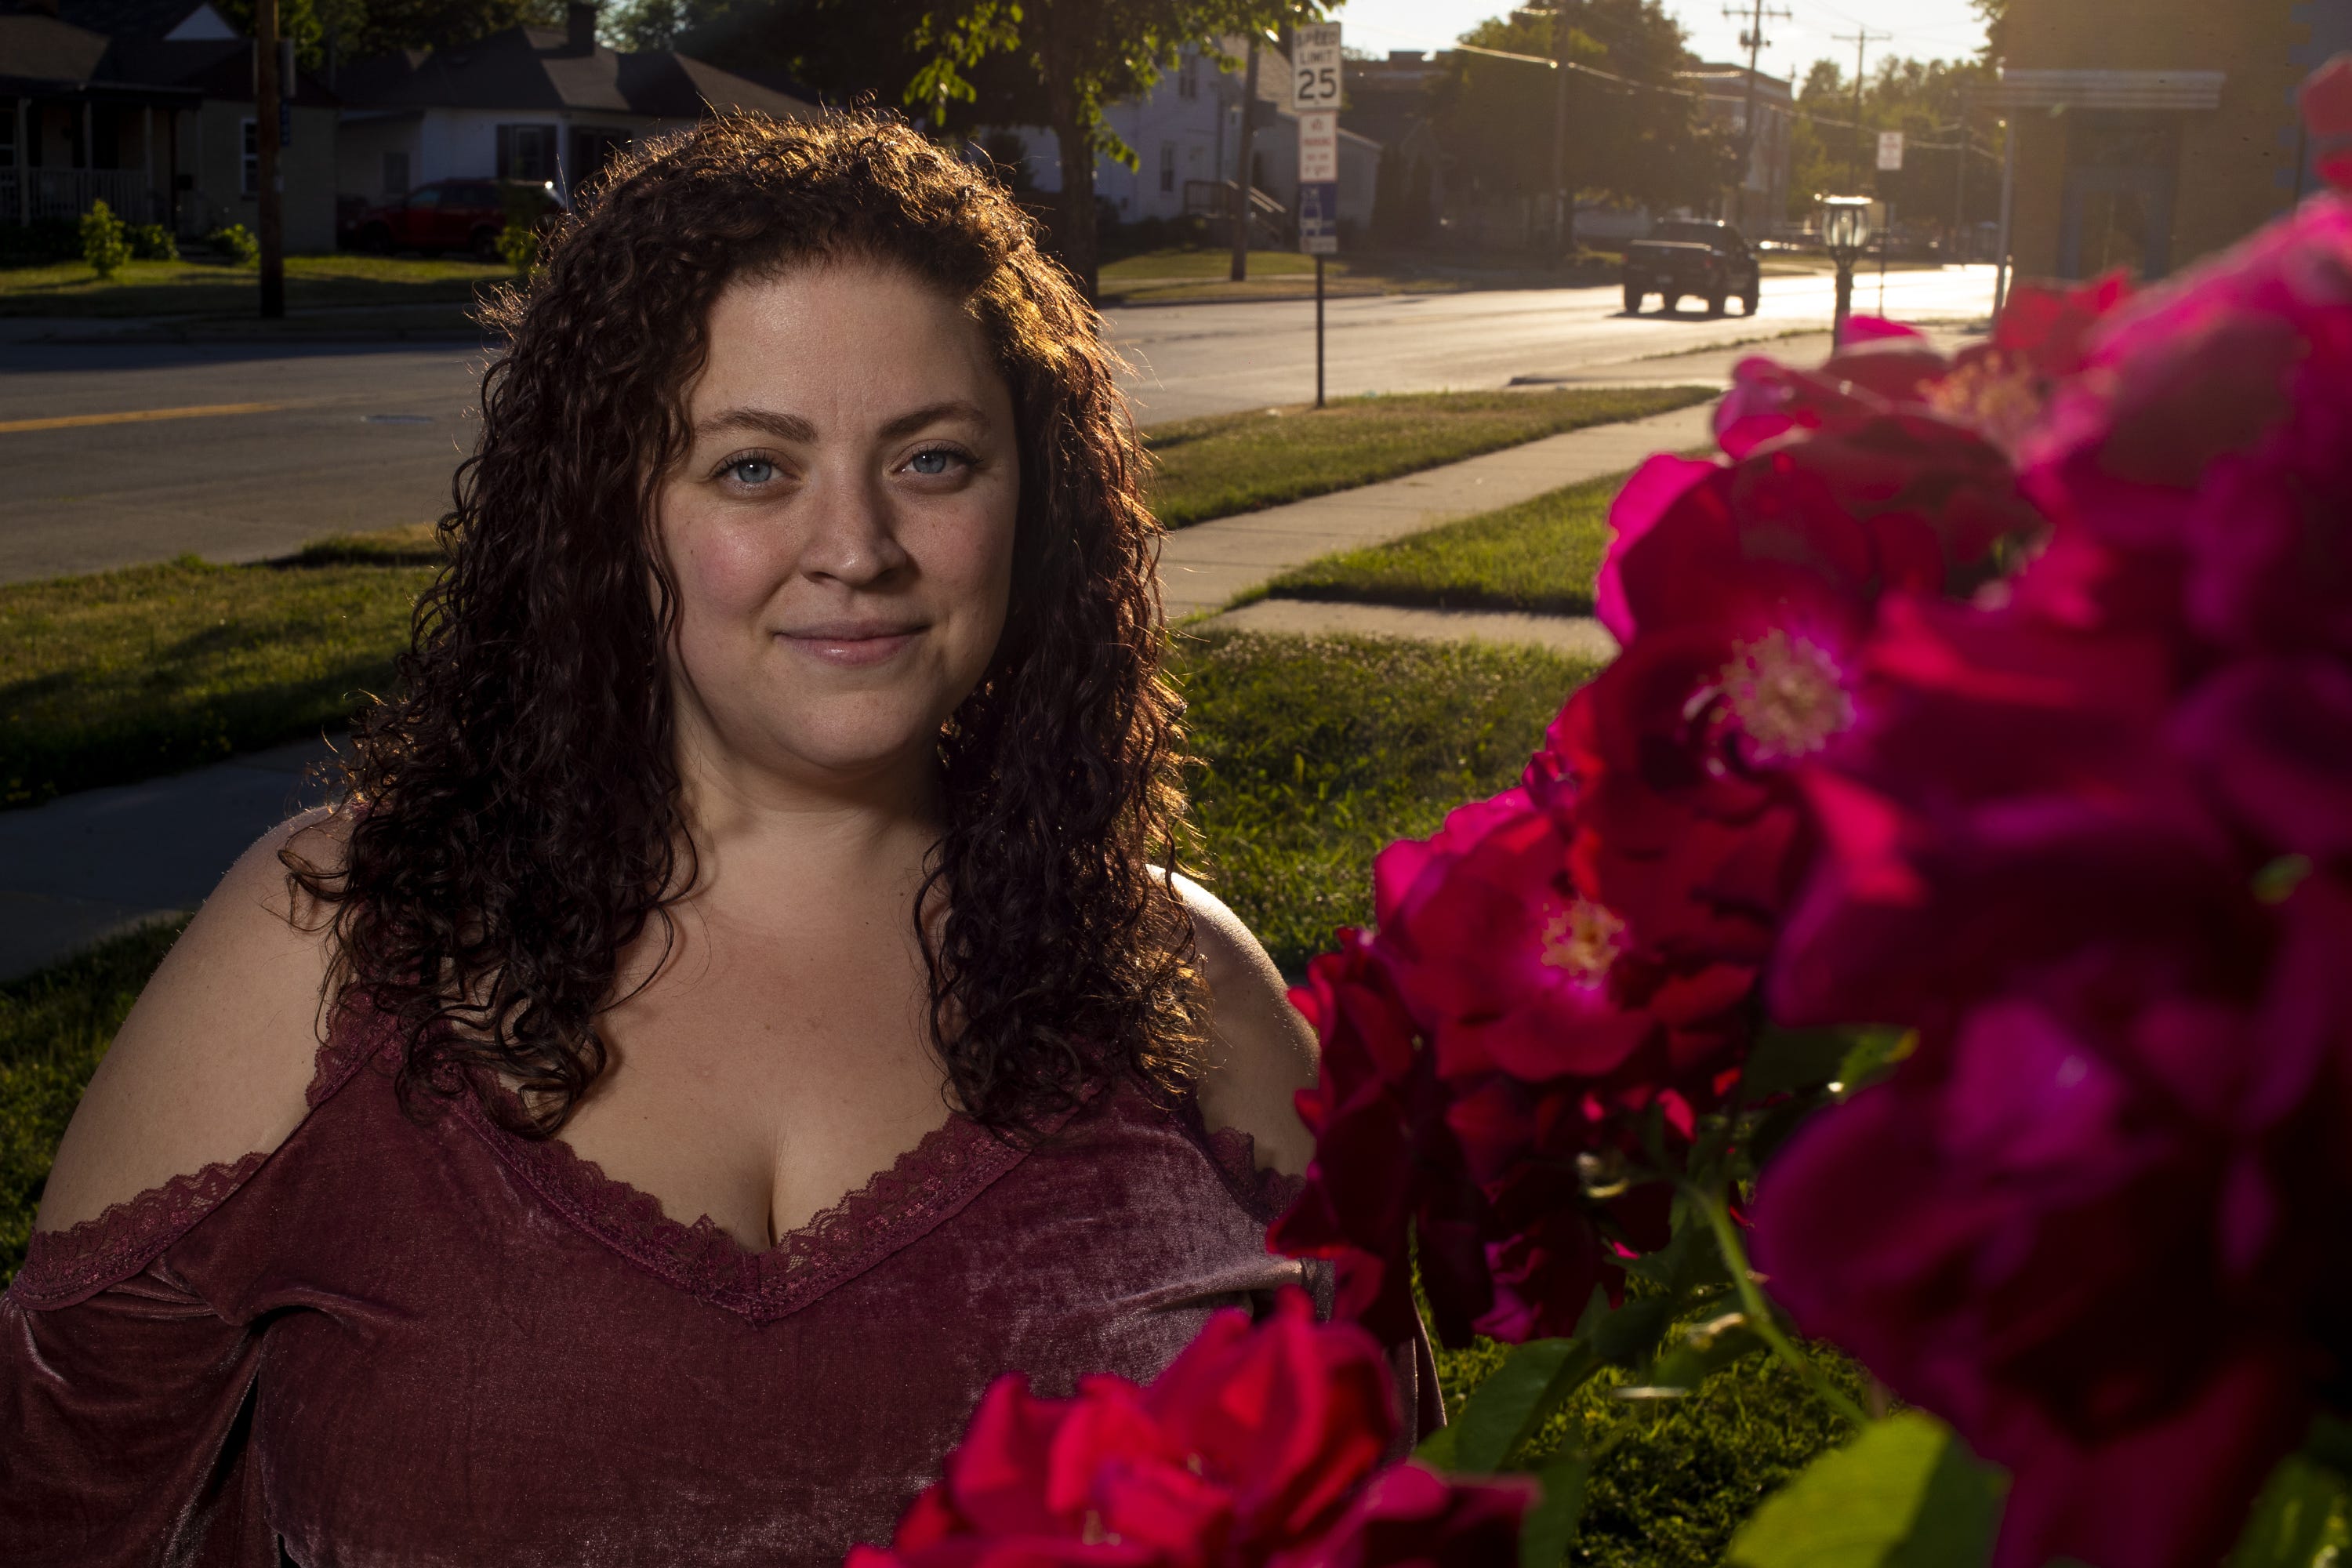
x=529, y=103
x=1184, y=133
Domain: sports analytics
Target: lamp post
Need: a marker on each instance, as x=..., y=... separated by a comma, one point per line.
x=1845, y=229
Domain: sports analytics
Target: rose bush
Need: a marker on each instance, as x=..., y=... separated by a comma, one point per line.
x=1953, y=877
x=1259, y=1447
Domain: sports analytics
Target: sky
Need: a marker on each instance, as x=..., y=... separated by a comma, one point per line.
x=1928, y=29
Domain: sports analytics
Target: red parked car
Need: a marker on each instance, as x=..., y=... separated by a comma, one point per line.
x=451, y=215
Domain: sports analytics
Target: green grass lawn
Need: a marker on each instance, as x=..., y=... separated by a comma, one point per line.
x=206, y=288
x=124, y=675
x=1208, y=265
x=1540, y=555
x=1229, y=463
x=1314, y=753
x=54, y=1026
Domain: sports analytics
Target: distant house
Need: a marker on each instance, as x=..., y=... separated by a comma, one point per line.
x=148, y=106
x=1759, y=203
x=1185, y=132
x=529, y=103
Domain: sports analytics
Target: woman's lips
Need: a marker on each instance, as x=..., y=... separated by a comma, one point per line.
x=851, y=645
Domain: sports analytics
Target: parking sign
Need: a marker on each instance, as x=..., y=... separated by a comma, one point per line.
x=1890, y=151
x=1319, y=147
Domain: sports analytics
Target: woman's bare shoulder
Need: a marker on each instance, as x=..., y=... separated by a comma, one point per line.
x=1261, y=1052
x=214, y=1061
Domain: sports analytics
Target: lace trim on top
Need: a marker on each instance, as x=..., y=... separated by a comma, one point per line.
x=927, y=1185
x=68, y=1265
x=1263, y=1193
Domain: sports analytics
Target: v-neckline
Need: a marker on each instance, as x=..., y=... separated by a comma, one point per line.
x=896, y=1205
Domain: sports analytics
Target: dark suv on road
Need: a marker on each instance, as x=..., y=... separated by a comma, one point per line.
x=451, y=215
x=1708, y=260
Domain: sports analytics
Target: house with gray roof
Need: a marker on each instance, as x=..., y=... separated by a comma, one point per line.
x=528, y=103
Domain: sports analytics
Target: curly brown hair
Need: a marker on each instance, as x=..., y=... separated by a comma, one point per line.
x=513, y=820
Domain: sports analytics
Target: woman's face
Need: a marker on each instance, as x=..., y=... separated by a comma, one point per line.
x=841, y=530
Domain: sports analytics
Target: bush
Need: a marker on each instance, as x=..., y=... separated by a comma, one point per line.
x=236, y=243
x=153, y=242
x=105, y=245
x=518, y=247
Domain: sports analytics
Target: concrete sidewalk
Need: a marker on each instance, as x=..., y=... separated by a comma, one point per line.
x=1202, y=568
x=86, y=866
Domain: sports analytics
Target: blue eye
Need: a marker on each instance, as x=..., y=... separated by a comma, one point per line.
x=752, y=470
x=934, y=463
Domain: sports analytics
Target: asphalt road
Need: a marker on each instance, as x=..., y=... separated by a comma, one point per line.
x=115, y=454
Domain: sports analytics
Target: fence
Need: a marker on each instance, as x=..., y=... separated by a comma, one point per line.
x=69, y=192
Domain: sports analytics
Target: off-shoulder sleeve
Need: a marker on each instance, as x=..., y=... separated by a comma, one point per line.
x=124, y=1415
x=125, y=1394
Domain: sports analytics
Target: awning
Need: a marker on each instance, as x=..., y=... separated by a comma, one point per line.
x=2175, y=90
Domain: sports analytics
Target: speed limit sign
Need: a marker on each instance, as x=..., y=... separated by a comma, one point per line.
x=1315, y=67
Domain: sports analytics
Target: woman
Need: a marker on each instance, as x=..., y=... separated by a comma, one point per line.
x=772, y=803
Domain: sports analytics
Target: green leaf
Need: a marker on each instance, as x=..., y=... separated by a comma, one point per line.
x=1905, y=1494
x=1629, y=1335
x=1875, y=1052
x=1510, y=1404
x=1704, y=1350
x=1793, y=1061
x=1550, y=1526
x=2298, y=1518
x=1436, y=1450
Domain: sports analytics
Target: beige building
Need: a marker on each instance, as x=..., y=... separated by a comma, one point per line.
x=148, y=106
x=2151, y=132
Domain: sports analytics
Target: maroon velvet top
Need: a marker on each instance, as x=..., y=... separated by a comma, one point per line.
x=389, y=1342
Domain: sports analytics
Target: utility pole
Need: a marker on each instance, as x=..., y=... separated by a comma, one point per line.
x=1754, y=40
x=1861, y=42
x=1239, y=273
x=1960, y=196
x=1563, y=197
x=267, y=91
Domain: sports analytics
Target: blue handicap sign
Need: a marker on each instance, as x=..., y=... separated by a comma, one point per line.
x=1318, y=218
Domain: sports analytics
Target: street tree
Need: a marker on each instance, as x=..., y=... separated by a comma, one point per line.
x=1642, y=138
x=1082, y=56
x=1928, y=101
x=354, y=30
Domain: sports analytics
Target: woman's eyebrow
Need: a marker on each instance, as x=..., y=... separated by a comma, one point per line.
x=784, y=426
x=931, y=414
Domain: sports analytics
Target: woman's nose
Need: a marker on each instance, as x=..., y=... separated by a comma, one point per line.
x=853, y=531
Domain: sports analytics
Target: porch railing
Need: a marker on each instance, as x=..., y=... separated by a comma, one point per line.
x=69, y=192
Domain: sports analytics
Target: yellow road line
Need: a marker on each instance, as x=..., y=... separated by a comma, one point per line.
x=135, y=417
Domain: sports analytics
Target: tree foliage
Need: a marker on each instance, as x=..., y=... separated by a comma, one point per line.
x=1082, y=56
x=1996, y=20
x=1925, y=101
x=354, y=30
x=1647, y=141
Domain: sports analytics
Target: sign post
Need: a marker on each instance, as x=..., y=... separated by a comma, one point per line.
x=1315, y=91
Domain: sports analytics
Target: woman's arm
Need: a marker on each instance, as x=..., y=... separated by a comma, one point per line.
x=214, y=1059
x=1261, y=1052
